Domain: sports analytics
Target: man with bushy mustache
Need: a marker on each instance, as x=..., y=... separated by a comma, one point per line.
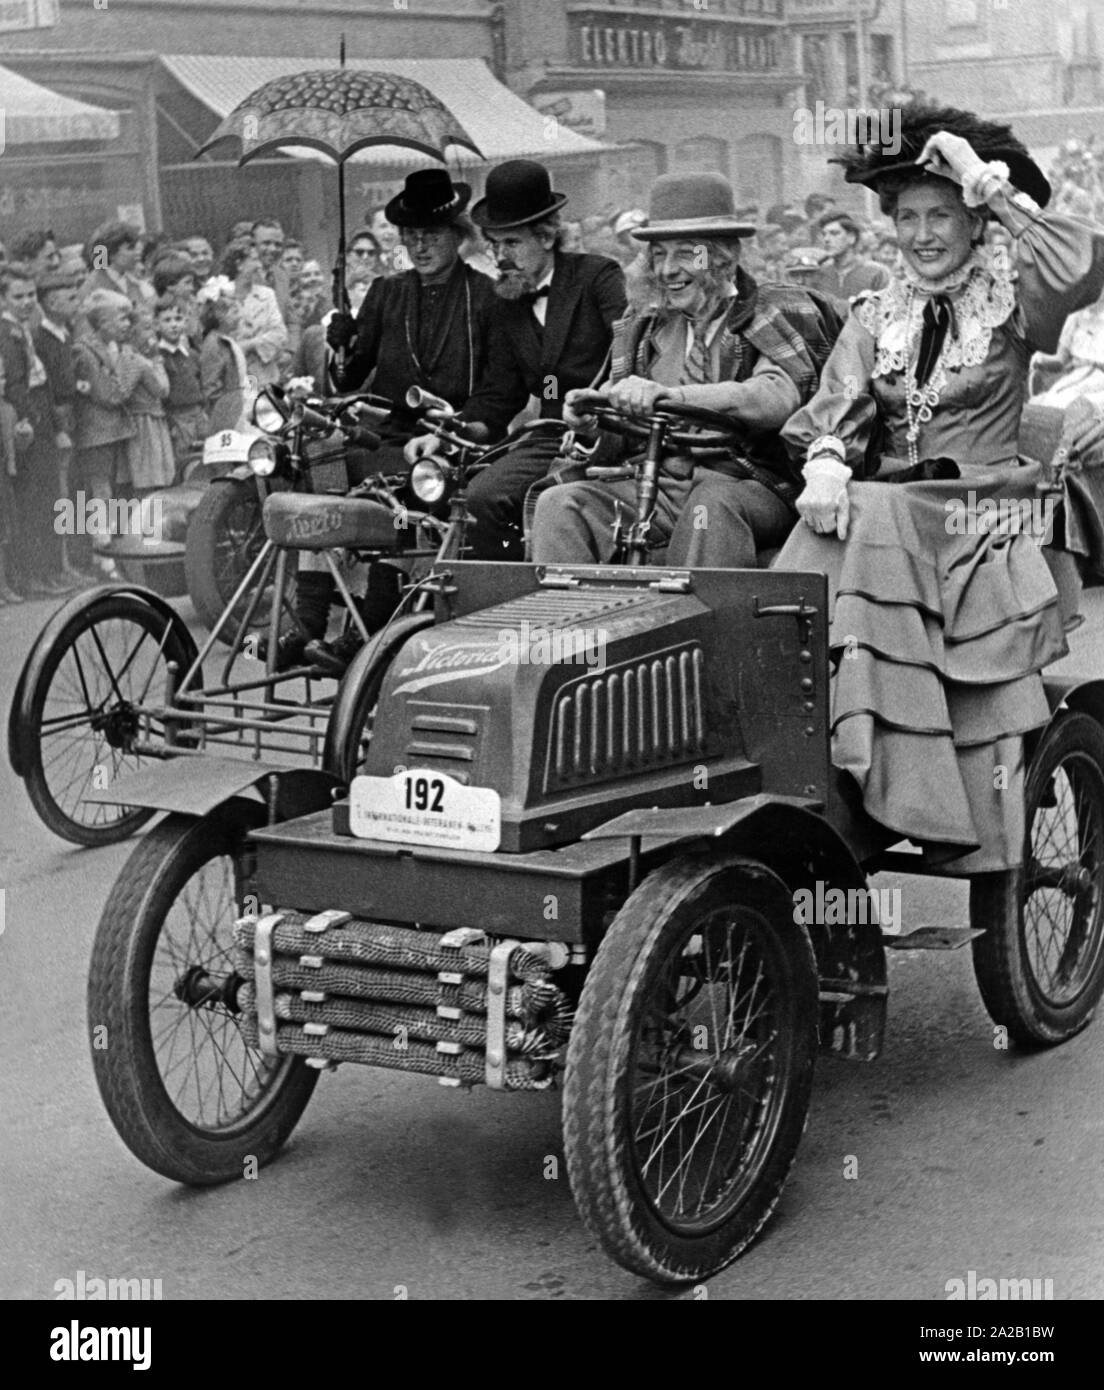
x=548, y=334
x=710, y=337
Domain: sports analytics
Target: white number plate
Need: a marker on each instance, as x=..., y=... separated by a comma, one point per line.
x=419, y=807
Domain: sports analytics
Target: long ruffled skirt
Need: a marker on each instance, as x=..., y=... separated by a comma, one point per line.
x=938, y=640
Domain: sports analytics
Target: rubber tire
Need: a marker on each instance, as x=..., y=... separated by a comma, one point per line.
x=118, y=998
x=596, y=1094
x=1004, y=975
x=206, y=533
x=177, y=648
x=359, y=690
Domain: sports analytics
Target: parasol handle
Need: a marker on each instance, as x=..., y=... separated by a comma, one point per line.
x=340, y=289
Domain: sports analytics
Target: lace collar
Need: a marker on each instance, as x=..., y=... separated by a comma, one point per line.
x=983, y=293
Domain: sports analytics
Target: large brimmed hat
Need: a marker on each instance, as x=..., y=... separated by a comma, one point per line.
x=429, y=199
x=690, y=205
x=990, y=140
x=517, y=193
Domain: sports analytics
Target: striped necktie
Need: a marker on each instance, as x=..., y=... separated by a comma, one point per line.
x=698, y=368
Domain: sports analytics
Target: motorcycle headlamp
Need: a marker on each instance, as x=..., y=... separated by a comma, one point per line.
x=429, y=479
x=267, y=414
x=262, y=458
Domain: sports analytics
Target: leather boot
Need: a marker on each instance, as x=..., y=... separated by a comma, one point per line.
x=314, y=592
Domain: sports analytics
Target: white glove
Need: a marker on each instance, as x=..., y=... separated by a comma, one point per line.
x=421, y=446
x=824, y=506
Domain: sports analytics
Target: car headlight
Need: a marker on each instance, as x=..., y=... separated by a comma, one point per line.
x=267, y=415
x=262, y=458
x=429, y=478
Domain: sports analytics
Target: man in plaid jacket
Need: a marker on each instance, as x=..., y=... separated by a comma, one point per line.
x=711, y=337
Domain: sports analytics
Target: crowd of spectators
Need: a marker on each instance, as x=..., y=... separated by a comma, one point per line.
x=118, y=357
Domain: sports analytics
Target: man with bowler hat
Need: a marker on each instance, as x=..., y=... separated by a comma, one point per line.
x=427, y=327
x=710, y=337
x=550, y=333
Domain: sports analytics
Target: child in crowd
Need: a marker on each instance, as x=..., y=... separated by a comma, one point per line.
x=105, y=378
x=223, y=375
x=7, y=498
x=184, y=411
x=149, y=450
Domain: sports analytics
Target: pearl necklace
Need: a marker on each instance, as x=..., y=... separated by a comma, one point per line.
x=920, y=401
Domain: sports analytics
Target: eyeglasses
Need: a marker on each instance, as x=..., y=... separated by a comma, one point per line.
x=365, y=252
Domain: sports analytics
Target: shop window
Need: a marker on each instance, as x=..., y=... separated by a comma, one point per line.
x=962, y=14
x=757, y=170
x=702, y=154
x=636, y=169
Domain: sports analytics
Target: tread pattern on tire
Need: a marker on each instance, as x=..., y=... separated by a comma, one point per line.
x=128, y=1082
x=995, y=906
x=601, y=1194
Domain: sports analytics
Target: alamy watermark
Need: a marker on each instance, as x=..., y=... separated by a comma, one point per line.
x=983, y=1289
x=850, y=125
x=1004, y=516
x=109, y=516
x=93, y=1288
x=533, y=645
x=824, y=906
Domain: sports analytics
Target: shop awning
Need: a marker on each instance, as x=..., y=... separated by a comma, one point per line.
x=34, y=115
x=500, y=123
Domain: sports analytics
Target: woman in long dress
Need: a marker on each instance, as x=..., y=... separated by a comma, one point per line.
x=916, y=503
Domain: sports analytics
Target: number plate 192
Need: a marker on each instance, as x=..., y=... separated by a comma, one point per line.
x=423, y=807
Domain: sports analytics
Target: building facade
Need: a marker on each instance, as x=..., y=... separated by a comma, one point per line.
x=681, y=85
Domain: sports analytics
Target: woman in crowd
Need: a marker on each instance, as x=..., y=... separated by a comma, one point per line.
x=363, y=267
x=1077, y=368
x=223, y=373
x=113, y=253
x=261, y=333
x=940, y=626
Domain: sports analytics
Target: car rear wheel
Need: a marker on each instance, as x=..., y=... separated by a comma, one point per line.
x=1040, y=962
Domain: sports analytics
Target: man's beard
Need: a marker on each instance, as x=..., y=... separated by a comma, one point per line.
x=514, y=284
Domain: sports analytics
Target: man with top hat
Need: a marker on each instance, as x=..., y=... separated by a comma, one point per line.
x=550, y=334
x=709, y=337
x=427, y=327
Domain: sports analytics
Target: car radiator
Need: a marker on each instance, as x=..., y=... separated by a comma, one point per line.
x=459, y=1006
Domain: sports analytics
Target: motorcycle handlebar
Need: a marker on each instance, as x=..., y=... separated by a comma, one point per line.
x=419, y=399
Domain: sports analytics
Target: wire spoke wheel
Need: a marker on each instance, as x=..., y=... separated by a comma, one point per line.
x=690, y=1067
x=704, y=1092
x=85, y=723
x=225, y=536
x=189, y=1095
x=1040, y=964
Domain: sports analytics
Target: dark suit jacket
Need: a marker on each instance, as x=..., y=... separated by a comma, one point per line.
x=57, y=358
x=36, y=405
x=586, y=295
x=381, y=350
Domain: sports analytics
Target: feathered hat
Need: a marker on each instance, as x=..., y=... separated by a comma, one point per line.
x=918, y=122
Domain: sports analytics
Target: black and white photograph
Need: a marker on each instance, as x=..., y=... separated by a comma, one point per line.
x=552, y=649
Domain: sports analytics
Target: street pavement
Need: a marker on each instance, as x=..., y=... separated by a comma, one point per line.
x=944, y=1156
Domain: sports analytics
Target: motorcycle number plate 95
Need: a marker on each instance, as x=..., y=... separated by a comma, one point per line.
x=421, y=807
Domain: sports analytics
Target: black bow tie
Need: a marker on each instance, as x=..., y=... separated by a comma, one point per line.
x=938, y=319
x=533, y=295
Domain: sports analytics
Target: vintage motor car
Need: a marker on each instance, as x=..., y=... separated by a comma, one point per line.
x=574, y=808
